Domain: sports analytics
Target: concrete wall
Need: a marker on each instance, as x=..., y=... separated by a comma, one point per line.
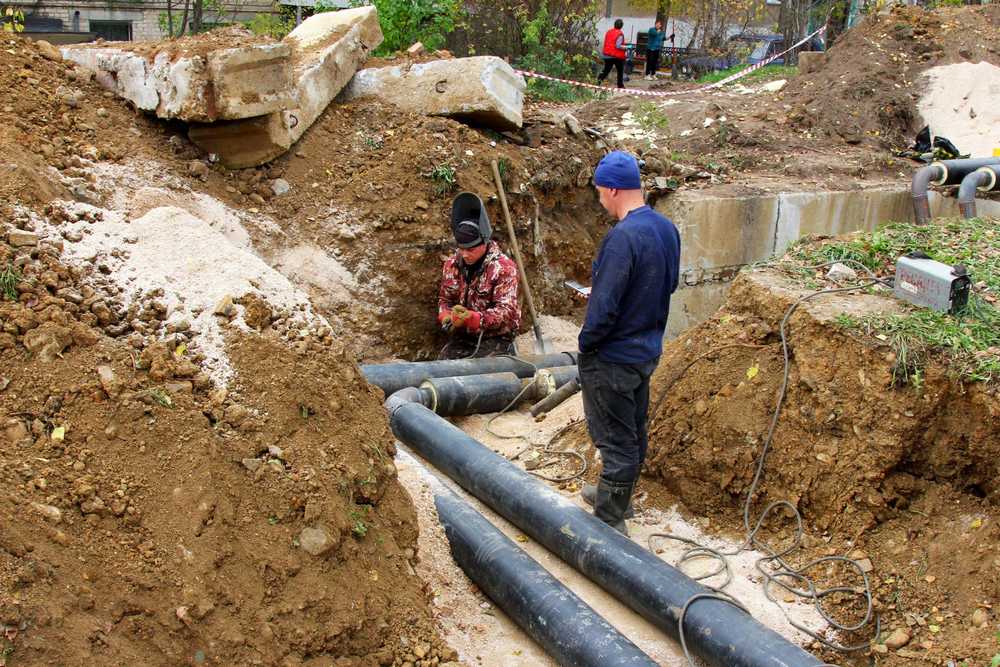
x=144, y=16
x=722, y=232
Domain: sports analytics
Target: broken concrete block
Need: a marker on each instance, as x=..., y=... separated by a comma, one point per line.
x=483, y=90
x=415, y=49
x=198, y=85
x=327, y=50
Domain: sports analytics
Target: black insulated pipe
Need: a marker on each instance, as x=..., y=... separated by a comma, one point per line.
x=564, y=625
x=483, y=394
x=390, y=378
x=945, y=172
x=556, y=398
x=716, y=631
x=983, y=179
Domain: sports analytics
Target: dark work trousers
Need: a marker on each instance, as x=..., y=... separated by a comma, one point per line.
x=652, y=62
x=616, y=403
x=619, y=65
x=464, y=347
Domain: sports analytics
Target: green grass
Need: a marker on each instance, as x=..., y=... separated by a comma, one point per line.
x=650, y=116
x=10, y=276
x=968, y=341
x=766, y=73
x=444, y=178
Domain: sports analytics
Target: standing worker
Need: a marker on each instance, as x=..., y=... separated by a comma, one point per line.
x=477, y=301
x=614, y=53
x=653, y=47
x=636, y=271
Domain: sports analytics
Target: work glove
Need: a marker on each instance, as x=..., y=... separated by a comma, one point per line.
x=463, y=318
x=445, y=320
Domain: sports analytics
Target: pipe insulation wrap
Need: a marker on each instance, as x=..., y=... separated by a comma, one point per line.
x=718, y=632
x=564, y=625
x=992, y=172
x=473, y=394
x=392, y=377
x=951, y=172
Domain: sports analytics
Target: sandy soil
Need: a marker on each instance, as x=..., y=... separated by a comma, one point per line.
x=960, y=103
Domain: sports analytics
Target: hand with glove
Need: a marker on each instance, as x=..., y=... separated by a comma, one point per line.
x=445, y=319
x=463, y=318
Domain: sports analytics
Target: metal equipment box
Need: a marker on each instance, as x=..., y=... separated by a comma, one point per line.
x=925, y=282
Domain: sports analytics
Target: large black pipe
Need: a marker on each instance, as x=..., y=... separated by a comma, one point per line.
x=564, y=625
x=983, y=179
x=945, y=172
x=718, y=632
x=390, y=378
x=483, y=394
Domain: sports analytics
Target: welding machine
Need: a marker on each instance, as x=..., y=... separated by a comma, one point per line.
x=925, y=282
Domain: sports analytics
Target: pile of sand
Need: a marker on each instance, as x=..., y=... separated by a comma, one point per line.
x=960, y=103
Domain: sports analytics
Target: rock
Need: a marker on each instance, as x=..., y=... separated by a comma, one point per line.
x=109, y=383
x=20, y=238
x=47, y=341
x=415, y=49
x=899, y=638
x=276, y=452
x=204, y=87
x=980, y=617
x=251, y=464
x=572, y=124
x=326, y=50
x=841, y=273
x=483, y=89
x=50, y=512
x=225, y=307
x=15, y=431
x=316, y=541
x=280, y=186
x=700, y=407
x=774, y=86
x=422, y=204
x=198, y=169
x=48, y=51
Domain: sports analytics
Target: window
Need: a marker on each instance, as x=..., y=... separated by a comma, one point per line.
x=112, y=31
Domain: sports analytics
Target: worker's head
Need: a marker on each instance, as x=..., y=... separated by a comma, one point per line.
x=659, y=25
x=619, y=23
x=469, y=240
x=619, y=186
x=470, y=226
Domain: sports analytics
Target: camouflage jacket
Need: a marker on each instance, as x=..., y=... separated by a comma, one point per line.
x=492, y=291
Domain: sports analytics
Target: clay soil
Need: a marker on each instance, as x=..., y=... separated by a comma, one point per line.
x=902, y=477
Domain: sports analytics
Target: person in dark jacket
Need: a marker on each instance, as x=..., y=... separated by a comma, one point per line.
x=654, y=44
x=614, y=54
x=634, y=274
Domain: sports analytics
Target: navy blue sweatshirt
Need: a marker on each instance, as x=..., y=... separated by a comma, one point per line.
x=636, y=271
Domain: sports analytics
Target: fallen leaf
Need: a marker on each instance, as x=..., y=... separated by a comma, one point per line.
x=181, y=349
x=976, y=524
x=58, y=433
x=934, y=628
x=521, y=538
x=752, y=371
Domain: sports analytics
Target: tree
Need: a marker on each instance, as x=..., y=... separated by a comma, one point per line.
x=792, y=21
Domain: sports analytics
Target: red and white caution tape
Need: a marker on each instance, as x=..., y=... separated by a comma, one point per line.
x=665, y=93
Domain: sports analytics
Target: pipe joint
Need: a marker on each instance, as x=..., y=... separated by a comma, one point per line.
x=403, y=397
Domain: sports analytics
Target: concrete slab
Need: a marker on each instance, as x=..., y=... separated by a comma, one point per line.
x=222, y=84
x=326, y=51
x=484, y=90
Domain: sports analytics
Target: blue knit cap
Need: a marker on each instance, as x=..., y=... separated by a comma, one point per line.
x=618, y=170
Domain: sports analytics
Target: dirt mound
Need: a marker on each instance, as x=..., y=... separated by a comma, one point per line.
x=867, y=91
x=877, y=471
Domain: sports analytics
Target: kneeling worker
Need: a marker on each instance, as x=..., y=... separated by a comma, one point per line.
x=477, y=302
x=636, y=271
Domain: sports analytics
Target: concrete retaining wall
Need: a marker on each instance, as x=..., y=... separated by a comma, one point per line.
x=722, y=232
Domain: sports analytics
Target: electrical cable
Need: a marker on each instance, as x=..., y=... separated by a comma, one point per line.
x=784, y=570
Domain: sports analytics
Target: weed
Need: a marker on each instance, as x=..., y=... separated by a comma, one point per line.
x=358, y=525
x=650, y=116
x=443, y=176
x=9, y=278
x=504, y=167
x=161, y=397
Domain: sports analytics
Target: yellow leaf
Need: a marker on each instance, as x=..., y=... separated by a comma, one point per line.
x=521, y=538
x=181, y=349
x=934, y=628
x=976, y=524
x=58, y=433
x=752, y=371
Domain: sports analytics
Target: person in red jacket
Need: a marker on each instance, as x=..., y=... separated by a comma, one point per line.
x=614, y=53
x=478, y=299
